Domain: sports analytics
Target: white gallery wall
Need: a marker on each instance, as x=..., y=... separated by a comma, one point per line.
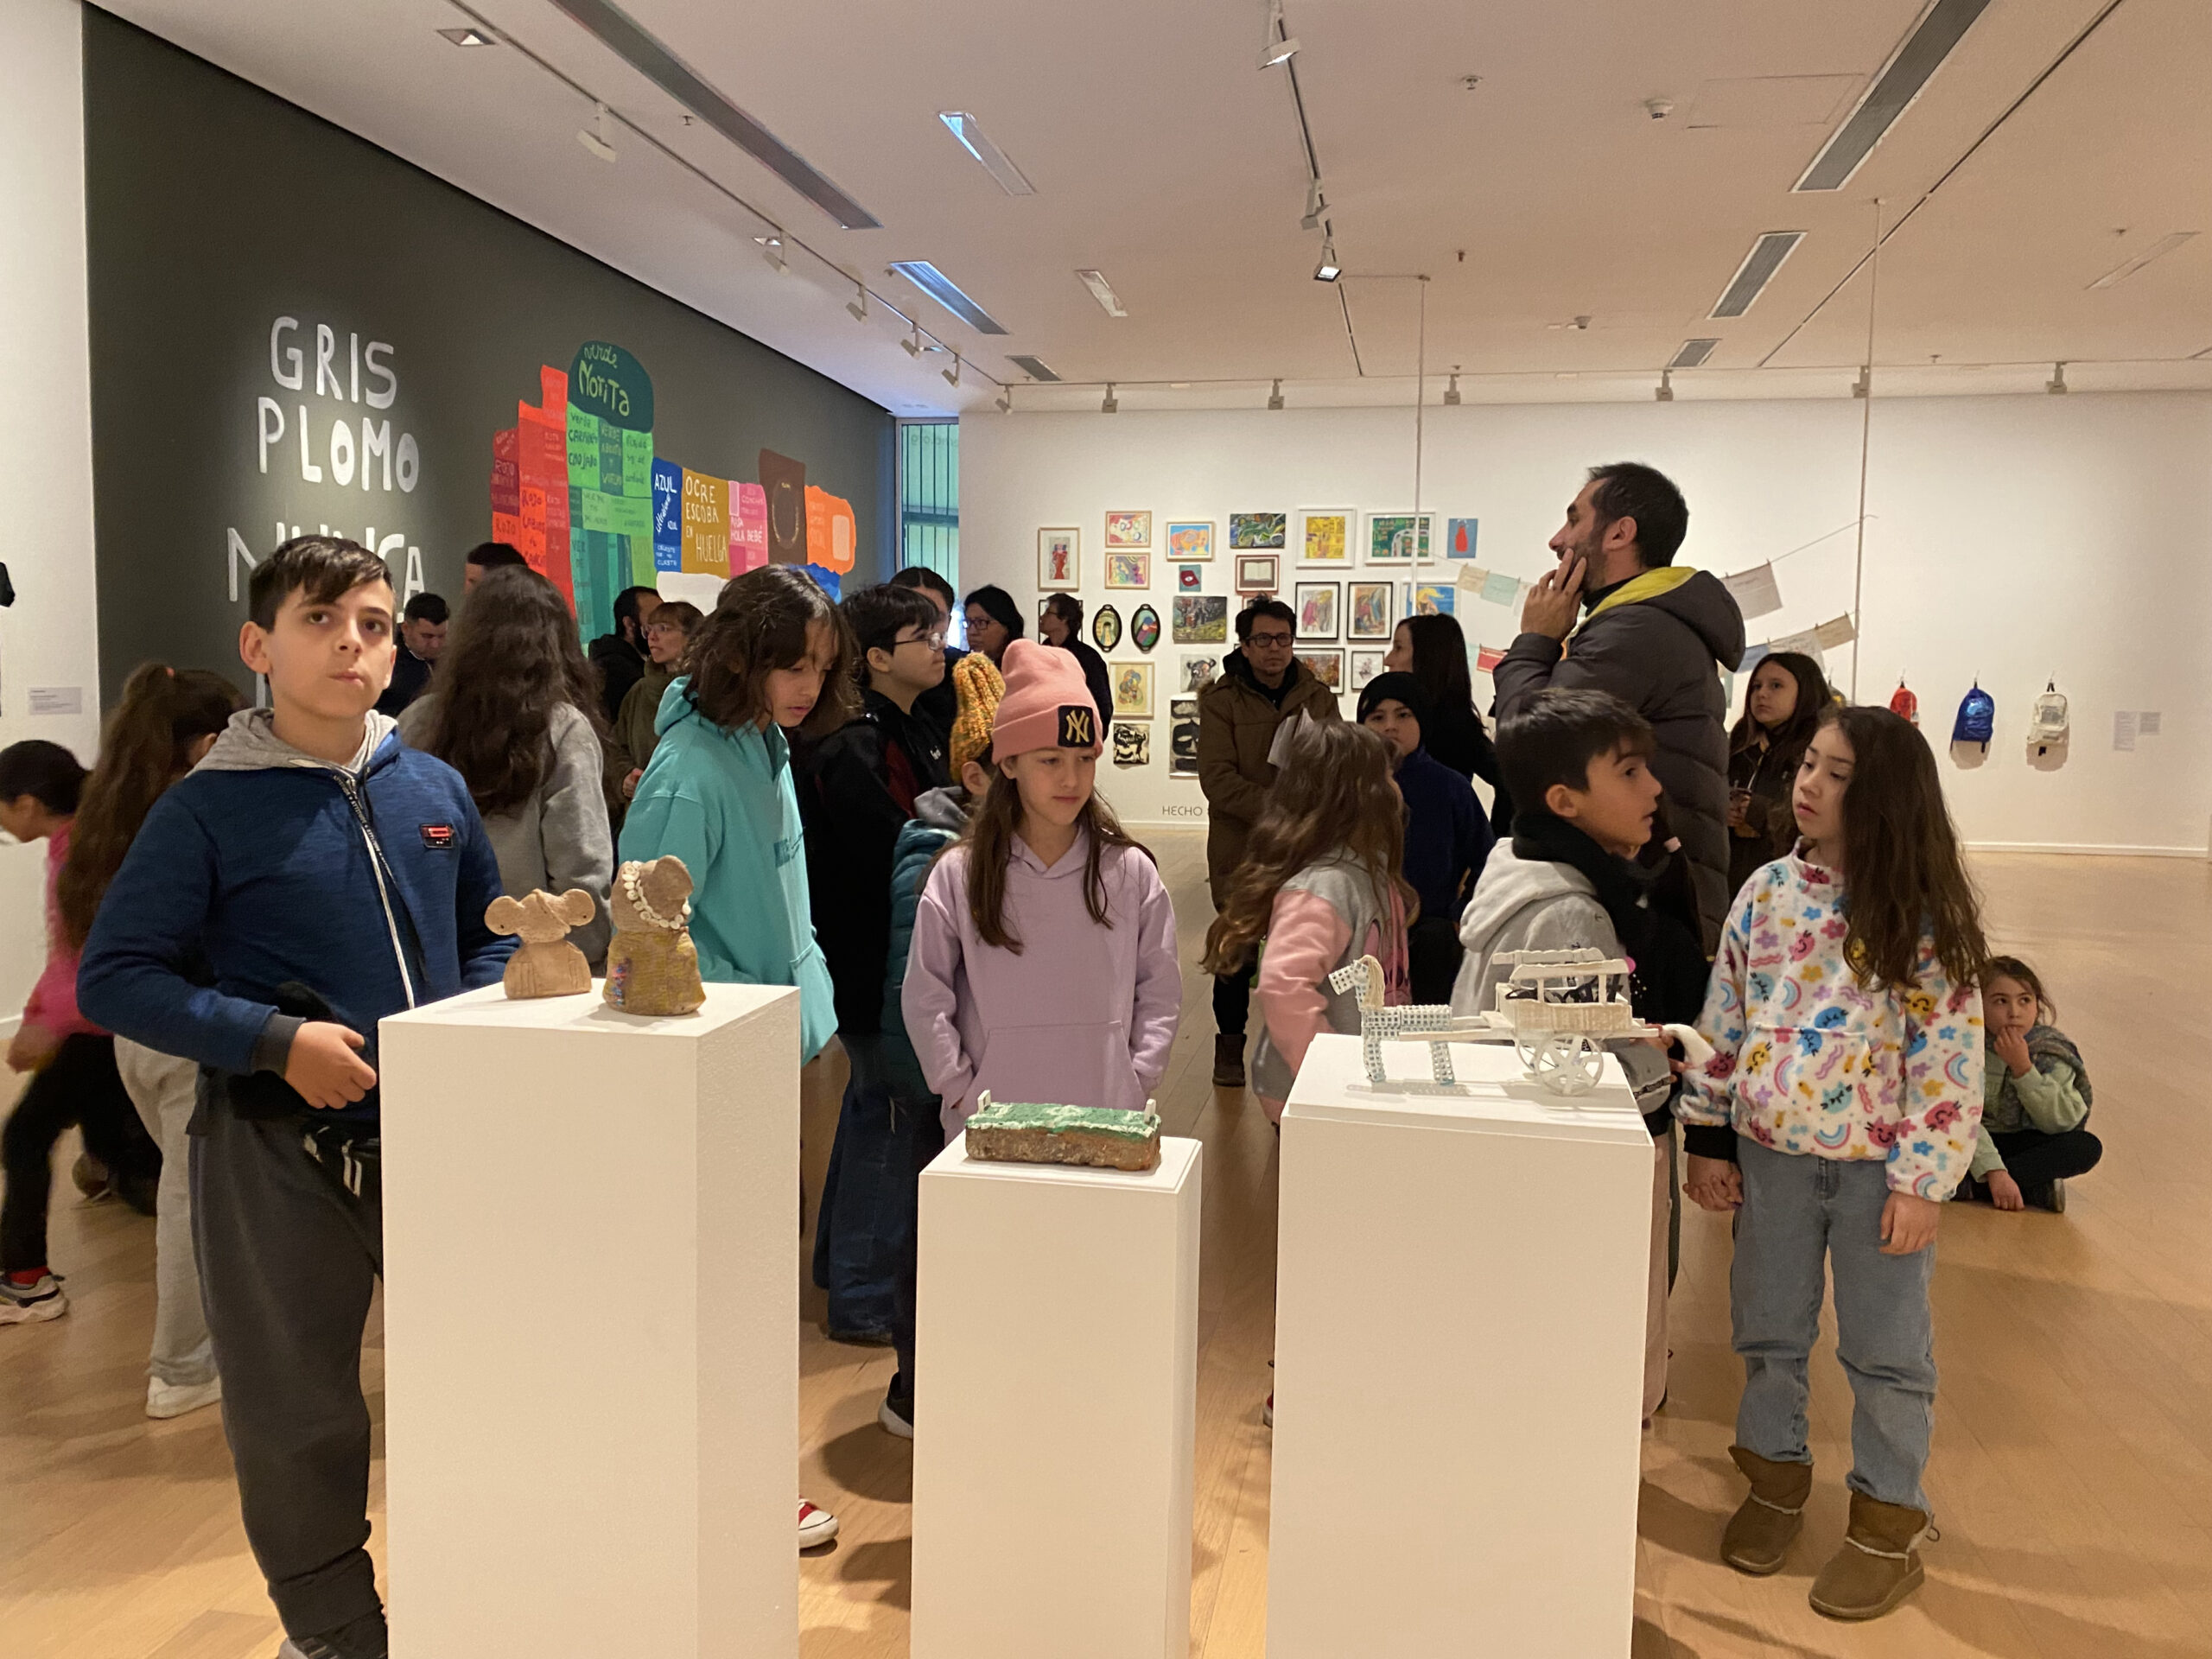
x=49, y=681
x=2010, y=539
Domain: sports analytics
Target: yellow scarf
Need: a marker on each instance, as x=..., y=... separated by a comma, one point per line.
x=1649, y=585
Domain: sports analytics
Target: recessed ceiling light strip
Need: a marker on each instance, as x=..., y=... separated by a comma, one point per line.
x=2157, y=250
x=1691, y=353
x=1757, y=269
x=1894, y=91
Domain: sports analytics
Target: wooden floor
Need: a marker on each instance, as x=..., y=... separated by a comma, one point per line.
x=2073, y=1465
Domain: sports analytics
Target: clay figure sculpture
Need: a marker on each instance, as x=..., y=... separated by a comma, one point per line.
x=1099, y=1136
x=653, y=967
x=545, y=964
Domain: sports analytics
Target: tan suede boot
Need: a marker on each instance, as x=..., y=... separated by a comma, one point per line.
x=1757, y=1538
x=1877, y=1566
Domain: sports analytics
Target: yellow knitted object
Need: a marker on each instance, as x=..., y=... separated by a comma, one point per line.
x=977, y=683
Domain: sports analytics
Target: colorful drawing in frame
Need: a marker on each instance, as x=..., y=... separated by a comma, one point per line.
x=1144, y=629
x=1132, y=744
x=1316, y=605
x=1129, y=569
x=1201, y=619
x=1183, y=737
x=1430, y=598
x=1365, y=665
x=1256, y=573
x=1189, y=578
x=1326, y=666
x=1460, y=537
x=1106, y=627
x=1261, y=531
x=1127, y=529
x=1191, y=542
x=1370, y=615
x=1399, y=538
x=1326, y=535
x=1059, y=558
x=1132, y=684
x=1198, y=668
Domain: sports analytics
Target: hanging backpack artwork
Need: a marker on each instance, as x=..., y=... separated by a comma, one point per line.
x=1106, y=628
x=1977, y=720
x=2047, y=729
x=1904, y=704
x=1144, y=628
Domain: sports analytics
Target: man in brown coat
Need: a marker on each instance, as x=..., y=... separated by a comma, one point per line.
x=1260, y=685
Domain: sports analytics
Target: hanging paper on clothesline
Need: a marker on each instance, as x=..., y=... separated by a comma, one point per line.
x=1472, y=578
x=1487, y=658
x=1807, y=644
x=1498, y=588
x=1836, y=631
x=1754, y=591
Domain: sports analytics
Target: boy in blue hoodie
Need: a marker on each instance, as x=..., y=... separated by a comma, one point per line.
x=310, y=876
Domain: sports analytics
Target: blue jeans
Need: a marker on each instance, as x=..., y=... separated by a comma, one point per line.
x=868, y=1206
x=1800, y=1214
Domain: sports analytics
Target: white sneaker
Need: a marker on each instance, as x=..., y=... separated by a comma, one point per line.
x=815, y=1527
x=165, y=1400
x=893, y=1423
x=32, y=1304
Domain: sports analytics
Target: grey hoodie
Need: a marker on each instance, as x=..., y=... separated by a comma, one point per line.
x=1522, y=904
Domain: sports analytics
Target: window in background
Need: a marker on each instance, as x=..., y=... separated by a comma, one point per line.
x=928, y=502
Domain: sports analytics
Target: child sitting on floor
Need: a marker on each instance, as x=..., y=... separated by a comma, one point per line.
x=2035, y=1099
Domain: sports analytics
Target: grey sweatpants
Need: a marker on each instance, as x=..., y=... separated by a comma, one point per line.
x=288, y=1261
x=162, y=1088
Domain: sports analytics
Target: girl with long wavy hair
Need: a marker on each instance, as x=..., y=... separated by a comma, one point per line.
x=1323, y=881
x=1043, y=962
x=514, y=709
x=1846, y=1018
x=1782, y=710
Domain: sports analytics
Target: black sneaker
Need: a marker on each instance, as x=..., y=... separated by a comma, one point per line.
x=1228, y=1061
x=360, y=1638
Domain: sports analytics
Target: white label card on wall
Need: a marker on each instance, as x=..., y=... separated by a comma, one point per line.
x=2147, y=724
x=2123, y=729
x=57, y=699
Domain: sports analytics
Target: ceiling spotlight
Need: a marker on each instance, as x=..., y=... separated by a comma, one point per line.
x=1313, y=206
x=952, y=375
x=1277, y=45
x=772, y=250
x=1664, y=391
x=1328, y=271
x=1452, y=391
x=1864, y=386
x=857, y=306
x=2056, y=384
x=1109, y=404
x=913, y=346
x=468, y=37
x=599, y=137
x=1006, y=401
x=1275, y=398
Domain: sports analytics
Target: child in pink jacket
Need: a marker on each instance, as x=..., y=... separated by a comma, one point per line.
x=1043, y=965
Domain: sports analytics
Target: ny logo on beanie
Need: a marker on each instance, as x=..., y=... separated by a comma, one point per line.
x=1079, y=726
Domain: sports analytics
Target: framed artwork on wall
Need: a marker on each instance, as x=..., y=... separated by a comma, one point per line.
x=1326, y=666
x=1256, y=530
x=1459, y=538
x=1189, y=578
x=1127, y=570
x=1127, y=529
x=1106, y=627
x=1190, y=541
x=1369, y=616
x=1430, y=598
x=1399, y=538
x=1201, y=619
x=1132, y=690
x=1059, y=558
x=1325, y=536
x=1183, y=737
x=1144, y=628
x=1132, y=744
x=1198, y=668
x=1316, y=605
x=1255, y=572
x=1365, y=665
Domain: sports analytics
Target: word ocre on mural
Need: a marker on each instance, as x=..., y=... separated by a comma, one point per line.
x=318, y=427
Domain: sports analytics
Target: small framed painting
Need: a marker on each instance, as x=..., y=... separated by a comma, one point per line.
x=1201, y=619
x=1106, y=627
x=1430, y=598
x=1190, y=541
x=1125, y=570
x=1132, y=744
x=1255, y=572
x=1198, y=668
x=1365, y=665
x=1132, y=690
x=1326, y=666
x=1399, y=538
x=1369, y=616
x=1128, y=530
x=1256, y=530
x=1316, y=605
x=1189, y=578
x=1144, y=629
x=1059, y=558
x=1459, y=536
x=1325, y=536
x=1183, y=737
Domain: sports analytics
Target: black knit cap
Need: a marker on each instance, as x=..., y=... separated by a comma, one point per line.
x=1396, y=688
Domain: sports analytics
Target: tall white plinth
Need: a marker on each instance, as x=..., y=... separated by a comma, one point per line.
x=1459, y=1308
x=1057, y=1398
x=591, y=1327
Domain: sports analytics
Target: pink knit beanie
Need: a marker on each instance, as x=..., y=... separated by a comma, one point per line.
x=1047, y=704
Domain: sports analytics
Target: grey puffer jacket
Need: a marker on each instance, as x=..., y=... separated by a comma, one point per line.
x=1657, y=642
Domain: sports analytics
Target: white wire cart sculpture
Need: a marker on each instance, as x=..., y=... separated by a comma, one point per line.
x=1557, y=1008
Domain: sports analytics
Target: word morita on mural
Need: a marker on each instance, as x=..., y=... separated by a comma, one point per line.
x=577, y=473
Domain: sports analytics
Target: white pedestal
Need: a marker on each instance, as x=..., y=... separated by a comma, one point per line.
x=591, y=1327
x=1460, y=1287
x=1056, y=1385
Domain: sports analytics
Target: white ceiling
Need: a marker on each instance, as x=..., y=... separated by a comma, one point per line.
x=1162, y=157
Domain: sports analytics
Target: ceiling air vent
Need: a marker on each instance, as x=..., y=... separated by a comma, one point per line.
x=1691, y=354
x=1033, y=367
x=1902, y=80
x=1757, y=270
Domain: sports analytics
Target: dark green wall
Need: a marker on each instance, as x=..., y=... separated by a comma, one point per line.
x=212, y=208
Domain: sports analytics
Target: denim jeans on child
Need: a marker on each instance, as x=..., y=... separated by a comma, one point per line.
x=867, y=1205
x=1801, y=1213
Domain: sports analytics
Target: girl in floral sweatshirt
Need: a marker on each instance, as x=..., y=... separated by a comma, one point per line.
x=1844, y=1015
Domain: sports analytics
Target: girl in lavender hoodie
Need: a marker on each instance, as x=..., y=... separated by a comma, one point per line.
x=1043, y=966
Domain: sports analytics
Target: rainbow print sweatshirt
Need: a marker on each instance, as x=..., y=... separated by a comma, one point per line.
x=1806, y=1059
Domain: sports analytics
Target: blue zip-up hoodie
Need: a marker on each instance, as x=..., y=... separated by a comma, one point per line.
x=723, y=803
x=366, y=883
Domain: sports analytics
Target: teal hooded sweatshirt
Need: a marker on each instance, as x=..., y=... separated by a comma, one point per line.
x=723, y=803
